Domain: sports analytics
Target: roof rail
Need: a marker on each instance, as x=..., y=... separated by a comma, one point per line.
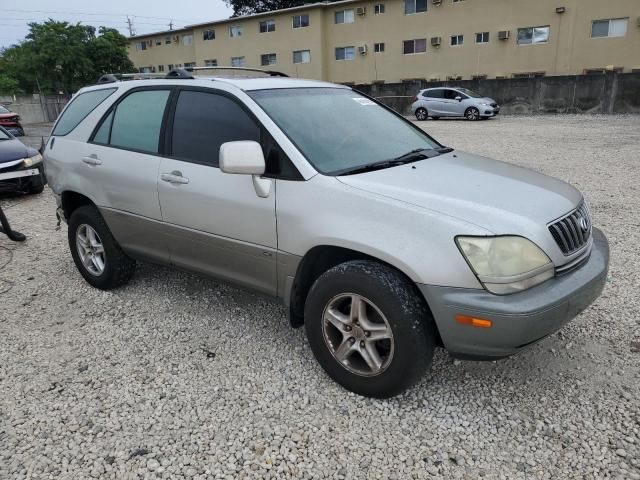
x=176, y=73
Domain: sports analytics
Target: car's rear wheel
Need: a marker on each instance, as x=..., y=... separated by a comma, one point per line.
x=369, y=328
x=95, y=252
x=472, y=113
x=422, y=114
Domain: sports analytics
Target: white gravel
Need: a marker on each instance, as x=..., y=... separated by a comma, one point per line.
x=120, y=385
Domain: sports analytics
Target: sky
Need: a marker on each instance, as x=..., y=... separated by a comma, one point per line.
x=147, y=15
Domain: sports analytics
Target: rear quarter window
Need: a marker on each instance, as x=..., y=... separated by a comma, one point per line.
x=81, y=106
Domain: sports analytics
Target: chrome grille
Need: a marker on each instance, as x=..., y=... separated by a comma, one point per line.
x=572, y=232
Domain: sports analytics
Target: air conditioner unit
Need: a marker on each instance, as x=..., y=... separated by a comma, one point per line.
x=436, y=41
x=176, y=39
x=437, y=3
x=504, y=34
x=561, y=9
x=362, y=50
x=362, y=11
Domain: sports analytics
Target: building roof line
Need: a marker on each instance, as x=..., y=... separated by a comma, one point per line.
x=308, y=6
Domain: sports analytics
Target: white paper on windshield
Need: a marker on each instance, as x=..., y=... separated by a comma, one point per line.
x=364, y=101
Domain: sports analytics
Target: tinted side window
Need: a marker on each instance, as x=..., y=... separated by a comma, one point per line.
x=204, y=121
x=433, y=94
x=451, y=94
x=138, y=119
x=81, y=106
x=103, y=133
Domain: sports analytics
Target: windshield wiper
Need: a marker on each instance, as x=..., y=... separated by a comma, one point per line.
x=409, y=157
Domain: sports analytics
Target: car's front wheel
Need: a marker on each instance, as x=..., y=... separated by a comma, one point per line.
x=95, y=252
x=422, y=114
x=472, y=114
x=369, y=328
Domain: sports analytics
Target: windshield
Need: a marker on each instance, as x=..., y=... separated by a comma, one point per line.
x=4, y=110
x=470, y=93
x=4, y=135
x=338, y=129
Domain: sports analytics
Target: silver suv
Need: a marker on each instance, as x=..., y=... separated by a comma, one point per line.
x=453, y=102
x=382, y=242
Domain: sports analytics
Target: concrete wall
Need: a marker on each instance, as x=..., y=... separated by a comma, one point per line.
x=609, y=93
x=33, y=108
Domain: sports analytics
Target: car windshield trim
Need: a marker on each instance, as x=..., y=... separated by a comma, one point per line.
x=295, y=131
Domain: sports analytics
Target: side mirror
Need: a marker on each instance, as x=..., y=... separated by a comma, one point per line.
x=243, y=158
x=459, y=98
x=246, y=158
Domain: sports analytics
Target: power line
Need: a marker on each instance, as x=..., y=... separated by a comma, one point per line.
x=93, y=14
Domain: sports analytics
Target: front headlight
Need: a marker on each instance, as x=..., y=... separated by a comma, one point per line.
x=485, y=104
x=506, y=264
x=31, y=161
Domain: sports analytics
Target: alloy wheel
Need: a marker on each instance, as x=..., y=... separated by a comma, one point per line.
x=358, y=334
x=473, y=114
x=90, y=249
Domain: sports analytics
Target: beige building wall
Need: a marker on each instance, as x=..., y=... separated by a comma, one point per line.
x=569, y=50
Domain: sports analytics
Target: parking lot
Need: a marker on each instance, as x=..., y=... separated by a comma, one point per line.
x=176, y=376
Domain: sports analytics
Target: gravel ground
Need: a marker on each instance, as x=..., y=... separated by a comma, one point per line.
x=175, y=376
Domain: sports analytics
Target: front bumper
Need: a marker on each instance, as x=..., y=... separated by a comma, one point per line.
x=20, y=178
x=489, y=111
x=520, y=319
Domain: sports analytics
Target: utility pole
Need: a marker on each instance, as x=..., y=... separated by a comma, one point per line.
x=132, y=28
x=171, y=24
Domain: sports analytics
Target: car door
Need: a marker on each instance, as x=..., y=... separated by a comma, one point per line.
x=215, y=222
x=123, y=161
x=450, y=105
x=435, y=105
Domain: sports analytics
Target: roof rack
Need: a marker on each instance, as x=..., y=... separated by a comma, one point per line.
x=184, y=73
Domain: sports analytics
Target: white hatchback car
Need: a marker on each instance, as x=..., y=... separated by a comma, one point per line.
x=382, y=242
x=453, y=102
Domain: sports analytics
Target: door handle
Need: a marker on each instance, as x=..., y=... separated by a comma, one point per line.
x=174, y=177
x=92, y=160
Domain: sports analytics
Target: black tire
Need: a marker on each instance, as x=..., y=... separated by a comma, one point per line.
x=36, y=188
x=422, y=114
x=472, y=113
x=407, y=315
x=118, y=267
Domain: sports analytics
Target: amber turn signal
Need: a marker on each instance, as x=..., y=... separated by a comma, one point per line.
x=474, y=322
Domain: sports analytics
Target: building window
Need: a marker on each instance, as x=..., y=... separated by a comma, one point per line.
x=161, y=68
x=236, y=31
x=208, y=35
x=300, y=21
x=378, y=47
x=189, y=64
x=140, y=46
x=482, y=37
x=302, y=56
x=530, y=35
x=158, y=42
x=378, y=9
x=345, y=53
x=457, y=40
x=167, y=40
x=267, y=26
x=414, y=6
x=615, y=27
x=345, y=16
x=237, y=61
x=211, y=63
x=187, y=40
x=170, y=66
x=418, y=45
x=268, y=59
x=457, y=1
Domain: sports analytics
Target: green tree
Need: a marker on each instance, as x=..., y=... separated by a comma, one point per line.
x=247, y=7
x=61, y=57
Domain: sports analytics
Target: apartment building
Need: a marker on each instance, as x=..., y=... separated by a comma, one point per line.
x=355, y=41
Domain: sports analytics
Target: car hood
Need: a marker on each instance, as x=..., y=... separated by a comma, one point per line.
x=496, y=196
x=13, y=149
